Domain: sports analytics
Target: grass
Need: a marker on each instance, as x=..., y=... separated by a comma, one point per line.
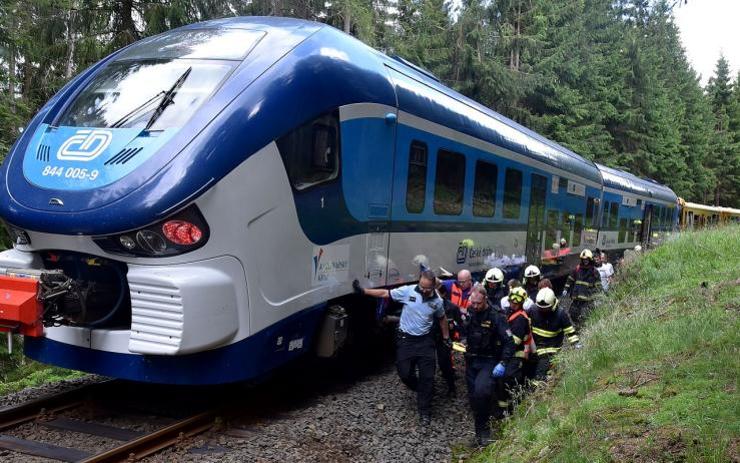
x=657, y=379
x=18, y=372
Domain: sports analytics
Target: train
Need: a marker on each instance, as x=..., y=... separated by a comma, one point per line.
x=193, y=208
x=696, y=216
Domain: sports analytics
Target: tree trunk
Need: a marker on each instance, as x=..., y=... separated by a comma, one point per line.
x=125, y=27
x=70, y=42
x=347, y=18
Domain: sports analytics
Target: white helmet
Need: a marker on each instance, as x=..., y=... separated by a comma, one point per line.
x=638, y=248
x=495, y=275
x=546, y=299
x=531, y=272
x=587, y=254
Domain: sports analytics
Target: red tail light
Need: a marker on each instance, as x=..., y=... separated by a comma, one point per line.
x=182, y=232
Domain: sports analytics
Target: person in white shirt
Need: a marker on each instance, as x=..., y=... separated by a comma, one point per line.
x=505, y=306
x=606, y=271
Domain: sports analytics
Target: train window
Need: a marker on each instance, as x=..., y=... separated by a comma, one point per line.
x=449, y=183
x=622, y=230
x=577, y=229
x=417, y=179
x=613, y=215
x=512, y=194
x=563, y=183
x=590, y=210
x=484, y=191
x=605, y=215
x=311, y=152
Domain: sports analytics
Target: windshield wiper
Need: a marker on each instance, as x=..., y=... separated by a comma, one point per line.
x=168, y=98
x=126, y=117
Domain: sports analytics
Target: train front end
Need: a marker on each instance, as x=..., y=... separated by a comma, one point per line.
x=120, y=199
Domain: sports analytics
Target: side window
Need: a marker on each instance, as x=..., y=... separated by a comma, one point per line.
x=613, y=215
x=622, y=237
x=311, y=152
x=590, y=208
x=551, y=236
x=512, y=194
x=605, y=215
x=577, y=229
x=417, y=180
x=449, y=183
x=484, y=190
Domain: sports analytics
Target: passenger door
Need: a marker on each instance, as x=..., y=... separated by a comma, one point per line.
x=536, y=222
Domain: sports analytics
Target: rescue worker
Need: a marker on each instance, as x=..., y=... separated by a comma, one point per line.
x=459, y=291
x=549, y=325
x=489, y=351
x=495, y=289
x=532, y=276
x=521, y=333
x=581, y=286
x=415, y=347
x=456, y=326
x=505, y=306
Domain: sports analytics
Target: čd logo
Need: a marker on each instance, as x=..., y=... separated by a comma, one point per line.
x=85, y=145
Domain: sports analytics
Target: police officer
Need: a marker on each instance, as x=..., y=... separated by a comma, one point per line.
x=532, y=276
x=489, y=350
x=582, y=285
x=549, y=326
x=495, y=289
x=415, y=348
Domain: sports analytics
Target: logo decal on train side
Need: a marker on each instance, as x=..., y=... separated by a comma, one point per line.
x=85, y=145
x=330, y=264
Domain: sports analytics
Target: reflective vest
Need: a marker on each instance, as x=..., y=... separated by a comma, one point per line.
x=527, y=343
x=456, y=297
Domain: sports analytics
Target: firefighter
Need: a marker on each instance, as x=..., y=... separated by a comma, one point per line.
x=495, y=289
x=532, y=276
x=549, y=325
x=490, y=350
x=521, y=333
x=458, y=291
x=505, y=306
x=415, y=347
x=581, y=286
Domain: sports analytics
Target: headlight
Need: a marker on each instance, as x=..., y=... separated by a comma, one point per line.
x=183, y=232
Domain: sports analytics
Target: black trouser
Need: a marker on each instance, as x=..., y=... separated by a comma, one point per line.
x=444, y=360
x=543, y=366
x=481, y=387
x=417, y=352
x=579, y=310
x=511, y=382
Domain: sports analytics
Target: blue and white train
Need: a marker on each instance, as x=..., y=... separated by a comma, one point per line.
x=213, y=190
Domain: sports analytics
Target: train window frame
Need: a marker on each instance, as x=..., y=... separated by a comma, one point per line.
x=422, y=147
x=513, y=193
x=477, y=189
x=623, y=230
x=578, y=226
x=590, y=211
x=327, y=122
x=605, y=215
x=613, y=215
x=552, y=226
x=443, y=170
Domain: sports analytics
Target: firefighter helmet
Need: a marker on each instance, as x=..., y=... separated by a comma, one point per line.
x=587, y=254
x=495, y=275
x=546, y=299
x=531, y=272
x=518, y=294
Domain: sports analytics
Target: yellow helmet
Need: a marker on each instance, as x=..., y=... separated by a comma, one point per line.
x=518, y=294
x=587, y=254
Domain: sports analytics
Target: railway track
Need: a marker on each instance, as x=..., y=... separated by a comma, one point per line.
x=73, y=412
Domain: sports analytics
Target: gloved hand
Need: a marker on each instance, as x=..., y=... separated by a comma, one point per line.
x=356, y=287
x=447, y=343
x=578, y=345
x=499, y=371
x=565, y=292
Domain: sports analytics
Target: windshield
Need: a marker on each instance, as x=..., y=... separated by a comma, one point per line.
x=127, y=93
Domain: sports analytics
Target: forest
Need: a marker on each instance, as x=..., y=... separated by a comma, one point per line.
x=608, y=79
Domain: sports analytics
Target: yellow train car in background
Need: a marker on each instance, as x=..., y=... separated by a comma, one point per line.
x=694, y=216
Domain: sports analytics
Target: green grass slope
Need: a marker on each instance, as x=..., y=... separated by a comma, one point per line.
x=17, y=372
x=657, y=380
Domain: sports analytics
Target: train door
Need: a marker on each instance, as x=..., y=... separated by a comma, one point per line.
x=536, y=222
x=646, y=231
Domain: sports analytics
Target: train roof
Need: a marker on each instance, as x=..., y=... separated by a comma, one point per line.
x=625, y=181
x=709, y=208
